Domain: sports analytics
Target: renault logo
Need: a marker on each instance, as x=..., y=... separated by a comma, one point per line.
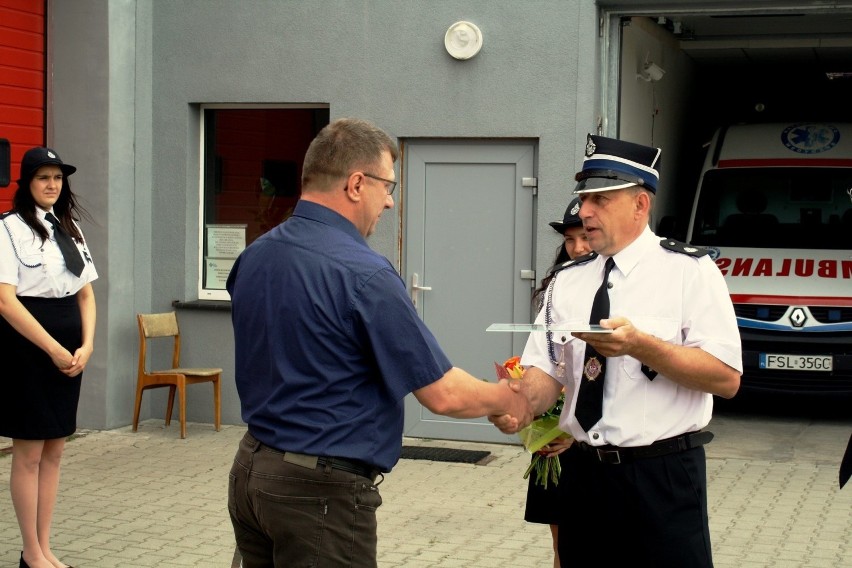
x=798, y=317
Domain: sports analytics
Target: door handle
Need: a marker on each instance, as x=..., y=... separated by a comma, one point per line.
x=416, y=288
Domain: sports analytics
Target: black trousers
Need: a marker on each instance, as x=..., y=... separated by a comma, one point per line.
x=647, y=513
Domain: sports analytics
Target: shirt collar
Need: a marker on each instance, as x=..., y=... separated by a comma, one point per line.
x=628, y=258
x=41, y=214
x=322, y=214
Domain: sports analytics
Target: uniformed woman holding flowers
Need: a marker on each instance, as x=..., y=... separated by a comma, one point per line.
x=544, y=500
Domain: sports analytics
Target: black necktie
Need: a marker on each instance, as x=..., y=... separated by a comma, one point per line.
x=70, y=252
x=590, y=398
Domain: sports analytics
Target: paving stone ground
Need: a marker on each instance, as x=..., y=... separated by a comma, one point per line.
x=151, y=499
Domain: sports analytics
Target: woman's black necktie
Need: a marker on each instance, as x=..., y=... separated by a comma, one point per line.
x=590, y=398
x=70, y=252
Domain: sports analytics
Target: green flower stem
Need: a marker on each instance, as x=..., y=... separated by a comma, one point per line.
x=547, y=469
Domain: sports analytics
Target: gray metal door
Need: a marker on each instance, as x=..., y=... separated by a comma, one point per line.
x=468, y=253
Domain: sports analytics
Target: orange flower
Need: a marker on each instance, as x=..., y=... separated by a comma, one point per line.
x=513, y=366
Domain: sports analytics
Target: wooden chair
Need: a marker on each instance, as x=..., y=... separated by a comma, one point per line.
x=165, y=325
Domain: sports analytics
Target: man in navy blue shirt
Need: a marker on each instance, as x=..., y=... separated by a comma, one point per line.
x=328, y=344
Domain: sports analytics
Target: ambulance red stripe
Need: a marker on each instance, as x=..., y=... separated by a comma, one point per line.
x=786, y=162
x=839, y=301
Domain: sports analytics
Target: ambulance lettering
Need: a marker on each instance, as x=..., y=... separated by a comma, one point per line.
x=800, y=267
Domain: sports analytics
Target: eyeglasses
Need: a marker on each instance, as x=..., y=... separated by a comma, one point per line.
x=391, y=184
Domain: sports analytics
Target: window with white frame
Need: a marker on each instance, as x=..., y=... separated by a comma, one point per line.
x=251, y=169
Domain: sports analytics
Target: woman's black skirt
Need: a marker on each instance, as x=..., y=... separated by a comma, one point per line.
x=546, y=506
x=38, y=401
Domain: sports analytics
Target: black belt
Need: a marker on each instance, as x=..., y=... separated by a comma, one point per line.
x=358, y=468
x=616, y=455
x=314, y=462
x=342, y=464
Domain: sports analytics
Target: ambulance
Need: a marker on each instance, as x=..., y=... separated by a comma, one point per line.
x=774, y=206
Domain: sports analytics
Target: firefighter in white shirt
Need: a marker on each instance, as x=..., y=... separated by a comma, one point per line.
x=639, y=394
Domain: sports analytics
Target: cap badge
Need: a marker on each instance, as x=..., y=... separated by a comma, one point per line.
x=51, y=154
x=590, y=148
x=575, y=209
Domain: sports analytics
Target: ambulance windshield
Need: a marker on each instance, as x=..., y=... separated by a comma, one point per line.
x=798, y=208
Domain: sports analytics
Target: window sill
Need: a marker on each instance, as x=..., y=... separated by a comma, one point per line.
x=210, y=305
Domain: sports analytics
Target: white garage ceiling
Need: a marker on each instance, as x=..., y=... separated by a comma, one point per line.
x=824, y=38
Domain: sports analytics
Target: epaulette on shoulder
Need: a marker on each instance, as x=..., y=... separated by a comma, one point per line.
x=574, y=262
x=683, y=248
x=6, y=214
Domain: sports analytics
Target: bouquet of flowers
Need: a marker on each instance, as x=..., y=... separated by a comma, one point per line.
x=540, y=432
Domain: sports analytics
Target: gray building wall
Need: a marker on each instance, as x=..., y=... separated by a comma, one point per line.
x=126, y=96
x=126, y=79
x=99, y=100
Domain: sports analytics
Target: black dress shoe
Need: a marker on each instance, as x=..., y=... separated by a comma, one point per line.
x=23, y=564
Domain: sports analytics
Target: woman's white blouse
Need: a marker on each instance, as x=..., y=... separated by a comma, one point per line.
x=36, y=268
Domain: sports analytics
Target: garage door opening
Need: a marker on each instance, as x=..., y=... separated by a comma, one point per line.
x=672, y=77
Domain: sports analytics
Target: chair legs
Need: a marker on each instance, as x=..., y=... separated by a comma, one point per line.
x=137, y=407
x=217, y=404
x=170, y=405
x=180, y=389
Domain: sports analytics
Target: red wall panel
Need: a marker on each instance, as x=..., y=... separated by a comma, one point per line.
x=22, y=81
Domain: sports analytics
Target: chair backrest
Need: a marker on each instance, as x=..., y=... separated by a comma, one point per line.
x=157, y=325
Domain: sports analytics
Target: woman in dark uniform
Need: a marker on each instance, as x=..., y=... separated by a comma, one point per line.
x=47, y=330
x=545, y=506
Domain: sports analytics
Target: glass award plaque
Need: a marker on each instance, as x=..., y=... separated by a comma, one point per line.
x=565, y=328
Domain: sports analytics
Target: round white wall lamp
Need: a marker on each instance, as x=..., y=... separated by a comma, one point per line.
x=463, y=40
